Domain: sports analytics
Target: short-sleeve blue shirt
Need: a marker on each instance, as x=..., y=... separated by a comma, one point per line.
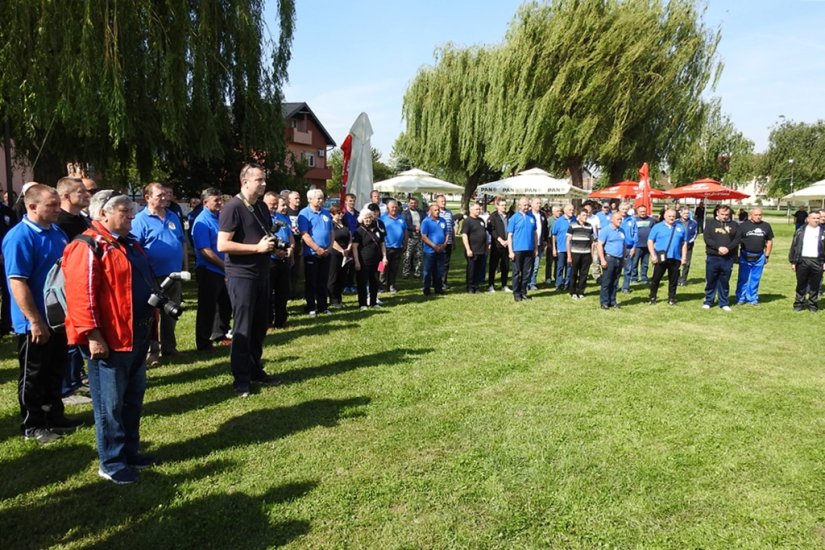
x=396, y=230
x=162, y=239
x=317, y=225
x=283, y=233
x=205, y=235
x=436, y=231
x=559, y=231
x=30, y=251
x=613, y=240
x=660, y=235
x=523, y=228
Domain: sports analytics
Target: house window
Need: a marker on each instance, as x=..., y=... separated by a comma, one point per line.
x=309, y=159
x=321, y=153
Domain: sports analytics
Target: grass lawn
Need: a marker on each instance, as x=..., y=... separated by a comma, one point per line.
x=464, y=421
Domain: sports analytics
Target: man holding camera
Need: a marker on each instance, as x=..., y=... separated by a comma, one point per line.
x=108, y=287
x=244, y=236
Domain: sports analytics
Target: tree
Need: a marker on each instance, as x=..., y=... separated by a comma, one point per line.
x=719, y=151
x=380, y=171
x=185, y=84
x=804, y=143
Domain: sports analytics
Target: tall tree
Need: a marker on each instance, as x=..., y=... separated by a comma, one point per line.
x=800, y=142
x=112, y=82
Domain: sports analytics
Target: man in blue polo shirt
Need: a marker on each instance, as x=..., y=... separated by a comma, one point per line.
x=521, y=240
x=160, y=232
x=611, y=257
x=214, y=309
x=30, y=249
x=315, y=225
x=639, y=264
x=559, y=235
x=667, y=245
x=395, y=242
x=631, y=234
x=434, y=237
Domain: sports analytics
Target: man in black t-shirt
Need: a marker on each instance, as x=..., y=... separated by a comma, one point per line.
x=756, y=245
x=800, y=217
x=244, y=236
x=474, y=236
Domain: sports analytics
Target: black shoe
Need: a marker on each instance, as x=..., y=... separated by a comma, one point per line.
x=671, y=302
x=653, y=301
x=125, y=476
x=605, y=307
x=266, y=380
x=43, y=436
x=63, y=424
x=142, y=461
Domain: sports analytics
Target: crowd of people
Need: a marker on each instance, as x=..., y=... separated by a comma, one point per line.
x=123, y=271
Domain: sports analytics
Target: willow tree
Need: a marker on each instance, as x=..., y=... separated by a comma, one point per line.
x=446, y=112
x=111, y=82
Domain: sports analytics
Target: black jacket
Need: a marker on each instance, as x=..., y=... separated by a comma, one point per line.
x=497, y=229
x=718, y=234
x=411, y=230
x=795, y=253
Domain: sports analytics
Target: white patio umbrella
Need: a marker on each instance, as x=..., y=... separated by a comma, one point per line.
x=416, y=181
x=533, y=183
x=814, y=192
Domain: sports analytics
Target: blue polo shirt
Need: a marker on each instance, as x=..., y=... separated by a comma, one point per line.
x=436, y=231
x=205, y=235
x=317, y=225
x=162, y=239
x=396, y=230
x=30, y=251
x=613, y=240
x=523, y=228
x=604, y=218
x=631, y=232
x=283, y=233
x=660, y=235
x=560, y=232
x=351, y=221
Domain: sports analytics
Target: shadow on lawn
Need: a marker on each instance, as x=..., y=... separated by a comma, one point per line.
x=265, y=425
x=390, y=357
x=42, y=466
x=151, y=514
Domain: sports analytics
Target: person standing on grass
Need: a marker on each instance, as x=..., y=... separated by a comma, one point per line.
x=499, y=254
x=721, y=240
x=434, y=237
x=699, y=217
x=580, y=237
x=315, y=225
x=351, y=222
x=692, y=231
x=807, y=257
x=551, y=262
x=612, y=246
x=800, y=217
x=476, y=247
x=30, y=249
x=542, y=235
x=757, y=243
x=522, y=246
x=559, y=236
x=414, y=252
x=245, y=239
x=395, y=243
x=109, y=317
x=340, y=257
x=214, y=309
x=644, y=223
x=368, y=250
x=447, y=215
x=631, y=233
x=667, y=246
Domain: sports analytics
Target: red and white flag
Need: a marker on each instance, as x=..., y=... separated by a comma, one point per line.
x=643, y=190
x=346, y=147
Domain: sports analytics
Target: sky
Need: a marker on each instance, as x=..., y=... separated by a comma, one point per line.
x=349, y=57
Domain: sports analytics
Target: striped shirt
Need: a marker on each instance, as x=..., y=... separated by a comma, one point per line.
x=448, y=217
x=581, y=240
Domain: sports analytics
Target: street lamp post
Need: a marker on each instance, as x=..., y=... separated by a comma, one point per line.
x=791, y=162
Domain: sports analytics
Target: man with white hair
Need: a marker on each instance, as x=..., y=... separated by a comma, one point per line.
x=315, y=225
x=108, y=285
x=757, y=244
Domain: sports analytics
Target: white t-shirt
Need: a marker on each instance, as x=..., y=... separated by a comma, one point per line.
x=810, y=242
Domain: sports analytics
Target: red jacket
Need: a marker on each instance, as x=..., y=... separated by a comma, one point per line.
x=99, y=290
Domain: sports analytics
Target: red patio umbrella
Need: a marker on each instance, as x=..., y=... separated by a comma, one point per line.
x=623, y=190
x=708, y=189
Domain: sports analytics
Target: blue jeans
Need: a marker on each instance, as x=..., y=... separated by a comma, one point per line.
x=747, y=284
x=117, y=384
x=562, y=271
x=629, y=268
x=522, y=266
x=433, y=271
x=73, y=377
x=536, y=263
x=640, y=260
x=717, y=280
x=610, y=281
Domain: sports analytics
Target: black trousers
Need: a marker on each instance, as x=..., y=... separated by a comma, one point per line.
x=337, y=277
x=5, y=304
x=168, y=339
x=279, y=291
x=316, y=278
x=522, y=273
x=579, y=271
x=499, y=261
x=808, y=281
x=296, y=271
x=670, y=266
x=250, y=302
x=42, y=368
x=214, y=308
x=550, y=265
x=475, y=272
x=395, y=257
x=448, y=251
x=367, y=279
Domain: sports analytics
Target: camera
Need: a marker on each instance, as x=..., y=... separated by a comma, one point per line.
x=161, y=301
x=280, y=244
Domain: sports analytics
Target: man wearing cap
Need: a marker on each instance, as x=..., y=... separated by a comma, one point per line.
x=160, y=232
x=757, y=243
x=30, y=249
x=108, y=315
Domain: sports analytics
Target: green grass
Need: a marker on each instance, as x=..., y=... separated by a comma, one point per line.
x=465, y=421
